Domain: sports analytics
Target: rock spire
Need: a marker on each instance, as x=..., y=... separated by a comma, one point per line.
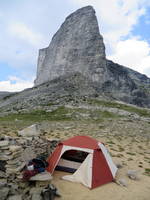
x=76, y=47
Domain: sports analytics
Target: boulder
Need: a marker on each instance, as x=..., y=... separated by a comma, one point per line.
x=30, y=131
x=44, y=176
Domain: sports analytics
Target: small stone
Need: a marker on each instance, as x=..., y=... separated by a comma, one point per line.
x=36, y=193
x=4, y=143
x=4, y=148
x=2, y=174
x=5, y=152
x=36, y=197
x=15, y=197
x=42, y=184
x=23, y=185
x=22, y=141
x=15, y=170
x=122, y=182
x=35, y=190
x=14, y=161
x=3, y=182
x=132, y=174
x=14, y=148
x=16, y=154
x=5, y=157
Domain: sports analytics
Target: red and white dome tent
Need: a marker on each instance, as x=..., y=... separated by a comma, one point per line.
x=87, y=158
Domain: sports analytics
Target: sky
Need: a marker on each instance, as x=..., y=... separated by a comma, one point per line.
x=28, y=25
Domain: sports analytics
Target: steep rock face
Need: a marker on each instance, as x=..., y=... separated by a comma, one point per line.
x=76, y=47
x=127, y=85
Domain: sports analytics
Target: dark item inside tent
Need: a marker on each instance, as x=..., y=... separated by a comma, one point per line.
x=71, y=160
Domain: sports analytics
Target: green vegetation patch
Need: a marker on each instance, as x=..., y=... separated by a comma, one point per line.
x=140, y=111
x=100, y=115
x=147, y=171
x=110, y=142
x=39, y=115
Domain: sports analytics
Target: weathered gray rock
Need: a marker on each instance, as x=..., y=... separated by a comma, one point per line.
x=15, y=170
x=35, y=190
x=36, y=193
x=4, y=143
x=30, y=131
x=127, y=85
x=44, y=176
x=15, y=197
x=4, y=193
x=36, y=197
x=133, y=174
x=76, y=47
x=122, y=182
x=50, y=192
x=11, y=185
x=2, y=174
x=13, y=188
x=14, y=148
x=3, y=182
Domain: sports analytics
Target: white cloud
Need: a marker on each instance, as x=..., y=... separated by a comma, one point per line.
x=15, y=84
x=134, y=53
x=23, y=32
x=22, y=35
x=19, y=48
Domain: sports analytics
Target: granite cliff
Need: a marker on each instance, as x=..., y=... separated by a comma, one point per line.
x=76, y=47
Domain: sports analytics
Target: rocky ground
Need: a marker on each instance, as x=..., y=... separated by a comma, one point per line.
x=123, y=128
x=128, y=141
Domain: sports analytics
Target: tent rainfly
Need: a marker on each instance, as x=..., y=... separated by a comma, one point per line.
x=87, y=158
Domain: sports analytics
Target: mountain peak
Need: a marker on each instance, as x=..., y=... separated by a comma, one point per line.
x=76, y=47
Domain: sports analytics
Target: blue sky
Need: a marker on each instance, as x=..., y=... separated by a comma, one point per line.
x=28, y=25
